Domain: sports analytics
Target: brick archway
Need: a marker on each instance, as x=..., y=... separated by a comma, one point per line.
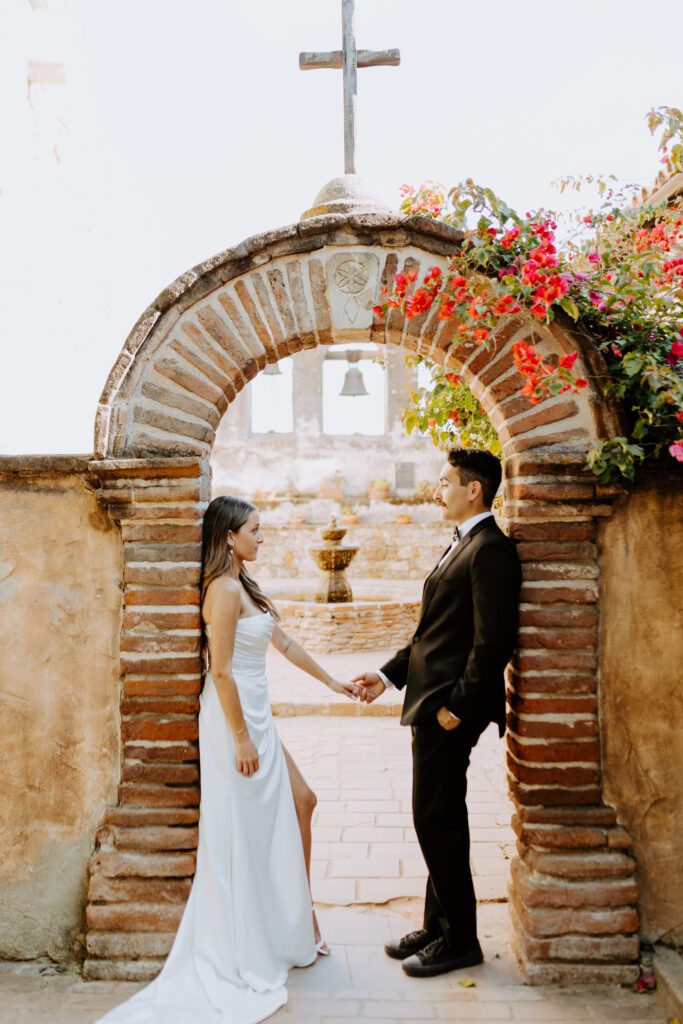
x=573, y=894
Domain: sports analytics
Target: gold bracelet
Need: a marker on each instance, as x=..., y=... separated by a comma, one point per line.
x=240, y=731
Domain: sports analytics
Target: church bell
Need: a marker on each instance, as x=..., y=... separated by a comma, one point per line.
x=353, y=385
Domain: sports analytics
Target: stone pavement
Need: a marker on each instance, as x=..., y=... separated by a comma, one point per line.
x=364, y=846
x=358, y=982
x=368, y=882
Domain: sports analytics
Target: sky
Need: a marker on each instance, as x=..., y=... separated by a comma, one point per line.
x=187, y=127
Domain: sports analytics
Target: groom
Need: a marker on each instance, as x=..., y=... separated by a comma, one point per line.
x=452, y=672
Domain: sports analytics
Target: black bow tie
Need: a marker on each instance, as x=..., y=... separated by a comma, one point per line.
x=456, y=535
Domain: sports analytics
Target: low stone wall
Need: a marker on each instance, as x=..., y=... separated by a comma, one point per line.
x=356, y=626
x=385, y=550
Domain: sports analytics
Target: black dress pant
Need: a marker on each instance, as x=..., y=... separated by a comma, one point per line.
x=440, y=761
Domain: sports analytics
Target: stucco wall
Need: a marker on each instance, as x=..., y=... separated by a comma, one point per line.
x=642, y=690
x=60, y=609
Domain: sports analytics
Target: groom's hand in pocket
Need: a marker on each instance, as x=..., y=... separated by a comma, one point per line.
x=370, y=686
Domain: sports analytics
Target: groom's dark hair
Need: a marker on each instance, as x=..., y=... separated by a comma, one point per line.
x=477, y=464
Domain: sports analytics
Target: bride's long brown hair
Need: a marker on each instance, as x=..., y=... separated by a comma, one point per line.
x=223, y=514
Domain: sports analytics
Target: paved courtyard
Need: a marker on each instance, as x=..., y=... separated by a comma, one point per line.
x=368, y=881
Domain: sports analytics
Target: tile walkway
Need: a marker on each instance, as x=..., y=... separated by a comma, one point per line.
x=368, y=883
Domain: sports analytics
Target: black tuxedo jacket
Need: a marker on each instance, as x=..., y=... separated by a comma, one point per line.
x=465, y=635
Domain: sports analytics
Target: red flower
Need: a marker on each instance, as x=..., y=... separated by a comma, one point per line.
x=677, y=349
x=567, y=361
x=377, y=310
x=431, y=422
x=581, y=383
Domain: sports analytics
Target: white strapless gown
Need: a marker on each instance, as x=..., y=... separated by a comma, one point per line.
x=248, y=918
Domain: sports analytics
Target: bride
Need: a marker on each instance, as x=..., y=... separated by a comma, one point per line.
x=249, y=915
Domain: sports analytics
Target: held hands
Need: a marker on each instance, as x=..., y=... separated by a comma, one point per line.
x=369, y=686
x=246, y=756
x=447, y=720
x=346, y=689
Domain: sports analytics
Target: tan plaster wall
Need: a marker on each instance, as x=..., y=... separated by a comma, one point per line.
x=60, y=611
x=642, y=691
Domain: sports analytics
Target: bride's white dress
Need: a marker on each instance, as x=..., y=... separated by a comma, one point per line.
x=248, y=918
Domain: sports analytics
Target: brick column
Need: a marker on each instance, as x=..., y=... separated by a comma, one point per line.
x=573, y=890
x=142, y=867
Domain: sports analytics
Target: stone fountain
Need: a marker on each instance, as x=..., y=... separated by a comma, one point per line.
x=333, y=557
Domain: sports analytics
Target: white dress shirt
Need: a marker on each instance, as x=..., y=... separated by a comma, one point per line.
x=463, y=529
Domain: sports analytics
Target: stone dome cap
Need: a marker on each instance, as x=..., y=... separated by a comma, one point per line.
x=346, y=194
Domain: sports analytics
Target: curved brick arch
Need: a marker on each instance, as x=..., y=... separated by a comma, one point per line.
x=573, y=893
x=208, y=334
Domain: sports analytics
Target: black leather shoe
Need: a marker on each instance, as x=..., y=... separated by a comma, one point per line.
x=436, y=958
x=408, y=945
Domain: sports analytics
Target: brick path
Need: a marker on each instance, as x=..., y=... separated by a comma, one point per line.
x=365, y=855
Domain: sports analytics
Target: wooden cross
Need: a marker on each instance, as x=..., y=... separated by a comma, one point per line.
x=349, y=59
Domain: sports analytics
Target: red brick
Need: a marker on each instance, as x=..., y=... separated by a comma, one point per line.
x=581, y=865
x=158, y=665
x=587, y=752
x=103, y=889
x=165, y=575
x=543, y=892
x=162, y=533
x=560, y=683
x=155, y=838
x=163, y=643
x=535, y=441
x=161, y=706
x=144, y=687
x=553, y=595
x=559, y=615
x=144, y=865
x=588, y=948
x=559, y=639
x=541, y=923
x=553, y=796
x=141, y=817
x=557, y=551
x=553, y=775
x=568, y=815
x=190, y=511
x=160, y=596
x=560, y=837
x=538, y=661
x=553, y=531
x=554, y=705
x=539, y=417
x=550, y=491
x=139, y=552
x=502, y=389
x=139, y=917
x=549, y=729
x=497, y=368
x=183, y=774
x=161, y=619
x=174, y=369
x=156, y=729
x=555, y=571
x=134, y=794
x=166, y=752
x=161, y=468
x=133, y=946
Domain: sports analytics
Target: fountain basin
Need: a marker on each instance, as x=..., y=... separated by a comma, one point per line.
x=374, y=620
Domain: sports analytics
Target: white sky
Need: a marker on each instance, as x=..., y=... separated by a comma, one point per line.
x=190, y=128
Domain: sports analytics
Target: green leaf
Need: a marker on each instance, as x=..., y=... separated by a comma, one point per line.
x=570, y=308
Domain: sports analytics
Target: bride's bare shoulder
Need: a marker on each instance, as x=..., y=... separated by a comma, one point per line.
x=222, y=594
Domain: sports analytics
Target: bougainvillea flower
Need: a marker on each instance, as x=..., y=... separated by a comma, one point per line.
x=676, y=449
x=567, y=361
